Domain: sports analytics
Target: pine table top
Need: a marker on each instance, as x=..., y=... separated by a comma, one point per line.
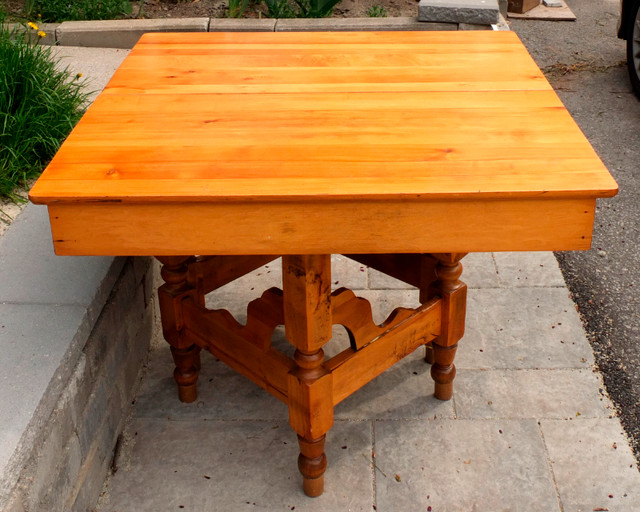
x=209, y=125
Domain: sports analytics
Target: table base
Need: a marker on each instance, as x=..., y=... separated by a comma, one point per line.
x=308, y=383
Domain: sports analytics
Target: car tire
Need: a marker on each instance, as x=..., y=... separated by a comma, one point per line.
x=633, y=48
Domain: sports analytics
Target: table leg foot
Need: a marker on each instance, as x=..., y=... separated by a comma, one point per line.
x=186, y=373
x=312, y=463
x=443, y=370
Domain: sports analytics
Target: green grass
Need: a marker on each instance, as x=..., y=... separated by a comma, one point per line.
x=39, y=105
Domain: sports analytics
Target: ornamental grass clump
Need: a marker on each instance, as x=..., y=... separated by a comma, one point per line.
x=39, y=105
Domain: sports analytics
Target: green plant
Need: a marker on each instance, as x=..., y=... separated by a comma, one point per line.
x=300, y=9
x=29, y=6
x=64, y=10
x=39, y=105
x=315, y=8
x=237, y=8
x=377, y=11
x=280, y=9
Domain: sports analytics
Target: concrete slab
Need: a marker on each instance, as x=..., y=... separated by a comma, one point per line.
x=360, y=24
x=528, y=269
x=479, y=272
x=47, y=279
x=348, y=273
x=48, y=28
x=236, y=466
x=404, y=391
x=454, y=465
x=593, y=466
x=122, y=33
x=505, y=394
x=97, y=65
x=379, y=281
x=482, y=12
x=383, y=302
x=222, y=394
x=521, y=328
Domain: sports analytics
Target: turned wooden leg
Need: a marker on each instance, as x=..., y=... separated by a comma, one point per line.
x=187, y=361
x=312, y=463
x=443, y=370
x=171, y=295
x=307, y=317
x=454, y=302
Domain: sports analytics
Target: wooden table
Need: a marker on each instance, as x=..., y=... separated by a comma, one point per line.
x=218, y=152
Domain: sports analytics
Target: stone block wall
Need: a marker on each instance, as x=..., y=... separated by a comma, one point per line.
x=73, y=455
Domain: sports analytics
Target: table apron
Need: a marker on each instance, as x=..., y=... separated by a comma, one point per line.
x=318, y=227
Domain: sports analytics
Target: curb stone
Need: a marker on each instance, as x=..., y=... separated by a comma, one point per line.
x=124, y=34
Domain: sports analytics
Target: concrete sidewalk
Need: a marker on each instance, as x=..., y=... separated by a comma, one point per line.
x=529, y=427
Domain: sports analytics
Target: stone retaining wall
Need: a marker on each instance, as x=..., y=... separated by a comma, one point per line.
x=75, y=334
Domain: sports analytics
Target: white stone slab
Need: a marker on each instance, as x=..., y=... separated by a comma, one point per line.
x=520, y=269
x=530, y=394
x=593, y=465
x=458, y=465
x=404, y=391
x=523, y=328
x=236, y=466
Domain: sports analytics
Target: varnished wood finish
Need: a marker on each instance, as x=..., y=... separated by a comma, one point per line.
x=353, y=368
x=404, y=149
x=322, y=227
x=312, y=463
x=453, y=293
x=265, y=141
x=306, y=282
x=171, y=297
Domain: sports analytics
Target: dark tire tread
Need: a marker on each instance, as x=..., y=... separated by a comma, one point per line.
x=633, y=47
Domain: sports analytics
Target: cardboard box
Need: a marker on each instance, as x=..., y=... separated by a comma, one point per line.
x=521, y=6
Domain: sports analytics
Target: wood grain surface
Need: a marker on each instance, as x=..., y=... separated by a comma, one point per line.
x=220, y=118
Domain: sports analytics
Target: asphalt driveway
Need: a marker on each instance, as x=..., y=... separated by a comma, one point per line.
x=585, y=63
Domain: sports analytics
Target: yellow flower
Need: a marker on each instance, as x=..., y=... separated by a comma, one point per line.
x=39, y=16
x=33, y=25
x=79, y=75
x=42, y=33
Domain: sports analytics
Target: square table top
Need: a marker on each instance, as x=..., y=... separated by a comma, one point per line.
x=328, y=142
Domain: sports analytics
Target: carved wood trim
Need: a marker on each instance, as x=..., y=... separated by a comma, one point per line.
x=352, y=369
